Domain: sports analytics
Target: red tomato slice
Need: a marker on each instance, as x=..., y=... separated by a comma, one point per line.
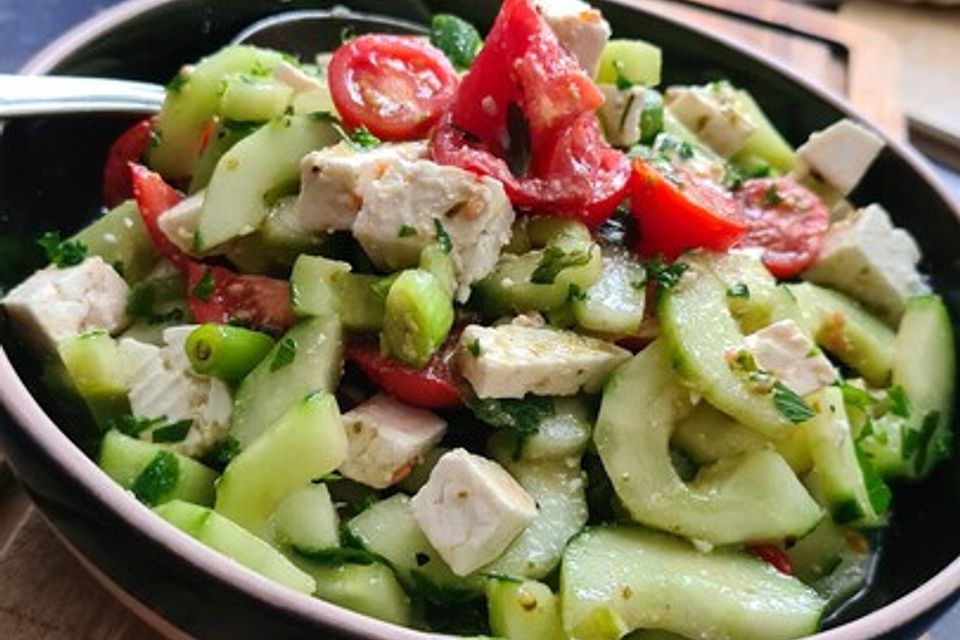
x=431, y=387
x=129, y=147
x=677, y=211
x=216, y=294
x=154, y=196
x=395, y=86
x=774, y=556
x=786, y=220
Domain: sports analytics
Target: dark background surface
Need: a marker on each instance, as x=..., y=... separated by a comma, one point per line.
x=26, y=25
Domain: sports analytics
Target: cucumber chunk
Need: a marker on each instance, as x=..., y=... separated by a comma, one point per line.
x=223, y=135
x=249, y=176
x=370, y=589
x=247, y=98
x=319, y=286
x=235, y=542
x=615, y=303
x=93, y=364
x=389, y=530
x=305, y=443
x=307, y=520
x=633, y=61
x=268, y=391
x=708, y=435
x=834, y=560
x=617, y=579
x=124, y=459
x=523, y=610
x=755, y=496
x=118, y=236
x=765, y=146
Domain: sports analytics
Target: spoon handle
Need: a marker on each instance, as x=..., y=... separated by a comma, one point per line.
x=45, y=95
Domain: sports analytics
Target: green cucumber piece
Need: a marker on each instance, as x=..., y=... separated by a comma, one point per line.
x=752, y=294
x=93, y=364
x=755, y=496
x=702, y=334
x=124, y=459
x=848, y=331
x=223, y=135
x=250, y=175
x=438, y=263
x=370, y=589
x=307, y=520
x=389, y=530
x=563, y=434
x=708, y=435
x=247, y=98
x=924, y=367
x=765, y=146
x=269, y=390
x=617, y=579
x=523, y=610
x=235, y=542
x=632, y=61
x=307, y=442
x=192, y=100
x=615, y=303
x=119, y=237
x=319, y=286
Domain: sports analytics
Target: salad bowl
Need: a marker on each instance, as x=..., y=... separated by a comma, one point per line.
x=49, y=176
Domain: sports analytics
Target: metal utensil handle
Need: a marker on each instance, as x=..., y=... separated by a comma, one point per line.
x=45, y=95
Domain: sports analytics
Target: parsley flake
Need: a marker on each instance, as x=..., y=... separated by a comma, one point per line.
x=474, y=348
x=286, y=352
x=622, y=81
x=62, y=253
x=406, y=231
x=523, y=416
x=899, y=402
x=443, y=238
x=554, y=261
x=204, y=286
x=855, y=396
x=576, y=294
x=772, y=197
x=665, y=276
x=177, y=83
x=361, y=138
x=173, y=432
x=790, y=405
x=157, y=479
x=133, y=426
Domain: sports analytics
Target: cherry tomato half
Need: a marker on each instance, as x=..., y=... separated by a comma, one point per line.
x=154, y=196
x=395, y=86
x=219, y=295
x=786, y=220
x=431, y=387
x=774, y=556
x=128, y=147
x=676, y=211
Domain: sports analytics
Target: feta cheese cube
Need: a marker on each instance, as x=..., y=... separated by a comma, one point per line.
x=386, y=438
x=620, y=114
x=161, y=384
x=403, y=207
x=54, y=304
x=510, y=361
x=470, y=510
x=869, y=259
x=580, y=28
x=713, y=113
x=839, y=155
x=784, y=351
x=331, y=180
x=180, y=222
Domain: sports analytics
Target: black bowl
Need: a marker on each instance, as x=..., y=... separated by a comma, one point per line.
x=49, y=179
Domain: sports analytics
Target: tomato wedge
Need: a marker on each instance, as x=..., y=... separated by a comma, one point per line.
x=786, y=220
x=774, y=556
x=676, y=211
x=128, y=147
x=217, y=294
x=431, y=387
x=154, y=196
x=395, y=86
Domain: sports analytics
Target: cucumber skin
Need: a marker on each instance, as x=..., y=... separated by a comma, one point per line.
x=93, y=364
x=119, y=237
x=523, y=610
x=370, y=589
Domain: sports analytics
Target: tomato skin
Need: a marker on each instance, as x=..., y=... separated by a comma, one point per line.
x=154, y=196
x=128, y=147
x=431, y=387
x=786, y=220
x=395, y=86
x=772, y=555
x=258, y=301
x=672, y=218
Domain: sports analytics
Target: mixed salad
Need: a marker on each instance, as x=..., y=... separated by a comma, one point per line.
x=492, y=336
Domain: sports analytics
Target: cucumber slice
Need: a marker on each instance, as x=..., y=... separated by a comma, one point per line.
x=563, y=434
x=192, y=100
x=752, y=294
x=701, y=332
x=306, y=442
x=617, y=579
x=307, y=520
x=523, y=610
x=924, y=367
x=118, y=236
x=389, y=530
x=235, y=542
x=851, y=490
x=370, y=589
x=765, y=146
x=633, y=61
x=751, y=497
x=223, y=135
x=247, y=98
x=615, y=303
x=882, y=443
x=253, y=172
x=847, y=331
x=93, y=363
x=268, y=391
x=708, y=435
x=124, y=459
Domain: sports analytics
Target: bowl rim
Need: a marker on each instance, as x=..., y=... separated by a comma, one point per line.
x=26, y=412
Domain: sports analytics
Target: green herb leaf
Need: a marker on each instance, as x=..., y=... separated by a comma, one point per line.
x=141, y=305
x=855, y=397
x=474, y=348
x=406, y=231
x=456, y=38
x=523, y=416
x=157, y=479
x=133, y=426
x=733, y=178
x=899, y=402
x=177, y=83
x=664, y=276
x=877, y=490
x=62, y=253
x=739, y=290
x=576, y=294
x=622, y=81
x=335, y=556
x=554, y=261
x=204, y=286
x=226, y=451
x=790, y=405
x=772, y=197
x=361, y=138
x=173, y=432
x=443, y=238
x=286, y=352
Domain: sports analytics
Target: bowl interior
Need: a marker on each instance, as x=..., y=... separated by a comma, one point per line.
x=50, y=168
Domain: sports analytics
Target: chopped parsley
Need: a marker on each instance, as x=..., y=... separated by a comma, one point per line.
x=347, y=33
x=133, y=426
x=855, y=396
x=772, y=197
x=917, y=443
x=286, y=352
x=336, y=556
x=456, y=38
x=877, y=490
x=177, y=82
x=157, y=479
x=899, y=402
x=443, y=238
x=554, y=261
x=474, y=348
x=406, y=231
x=790, y=405
x=204, y=286
x=361, y=138
x=62, y=253
x=866, y=430
x=622, y=81
x=739, y=290
x=226, y=451
x=523, y=416
x=173, y=432
x=665, y=276
x=141, y=305
x=576, y=294
x=733, y=178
